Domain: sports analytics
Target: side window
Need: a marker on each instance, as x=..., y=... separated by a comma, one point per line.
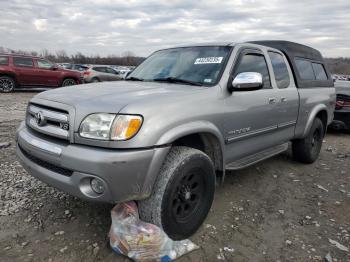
x=305, y=70
x=254, y=63
x=319, y=71
x=4, y=60
x=110, y=70
x=99, y=69
x=23, y=61
x=280, y=70
x=44, y=64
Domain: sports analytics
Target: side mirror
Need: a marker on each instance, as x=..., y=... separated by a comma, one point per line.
x=247, y=81
x=54, y=67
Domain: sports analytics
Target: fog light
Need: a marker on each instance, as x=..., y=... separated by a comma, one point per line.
x=97, y=185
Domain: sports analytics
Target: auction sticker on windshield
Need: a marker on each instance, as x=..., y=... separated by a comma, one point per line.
x=208, y=60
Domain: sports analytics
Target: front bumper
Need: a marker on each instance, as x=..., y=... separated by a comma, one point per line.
x=126, y=174
x=341, y=119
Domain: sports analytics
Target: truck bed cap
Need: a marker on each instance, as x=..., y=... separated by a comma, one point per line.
x=294, y=50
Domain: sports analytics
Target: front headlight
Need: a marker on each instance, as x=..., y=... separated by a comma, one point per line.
x=104, y=126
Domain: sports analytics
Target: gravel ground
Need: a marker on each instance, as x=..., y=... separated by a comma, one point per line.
x=278, y=210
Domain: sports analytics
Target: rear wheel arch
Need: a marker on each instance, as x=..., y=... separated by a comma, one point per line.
x=323, y=116
x=12, y=75
x=319, y=111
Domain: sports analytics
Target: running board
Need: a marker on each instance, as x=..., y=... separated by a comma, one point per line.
x=253, y=159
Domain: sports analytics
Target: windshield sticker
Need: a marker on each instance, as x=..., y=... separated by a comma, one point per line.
x=208, y=60
x=207, y=80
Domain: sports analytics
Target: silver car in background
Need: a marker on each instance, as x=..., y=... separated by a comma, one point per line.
x=101, y=73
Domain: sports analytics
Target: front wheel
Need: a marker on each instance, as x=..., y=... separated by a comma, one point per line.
x=182, y=194
x=69, y=82
x=307, y=150
x=7, y=84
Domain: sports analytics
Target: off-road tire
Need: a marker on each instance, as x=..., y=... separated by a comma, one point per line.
x=169, y=192
x=7, y=84
x=69, y=82
x=307, y=150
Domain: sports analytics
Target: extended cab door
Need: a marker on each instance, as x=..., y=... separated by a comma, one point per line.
x=287, y=105
x=252, y=117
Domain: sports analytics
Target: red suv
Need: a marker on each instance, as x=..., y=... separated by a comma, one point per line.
x=21, y=71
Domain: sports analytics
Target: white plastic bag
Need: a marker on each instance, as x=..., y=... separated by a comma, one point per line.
x=142, y=241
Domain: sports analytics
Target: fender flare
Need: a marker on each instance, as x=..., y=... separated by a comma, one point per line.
x=194, y=128
x=314, y=111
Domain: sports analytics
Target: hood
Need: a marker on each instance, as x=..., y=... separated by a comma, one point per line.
x=113, y=96
x=342, y=87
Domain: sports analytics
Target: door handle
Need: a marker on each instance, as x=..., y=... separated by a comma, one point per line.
x=272, y=100
x=283, y=99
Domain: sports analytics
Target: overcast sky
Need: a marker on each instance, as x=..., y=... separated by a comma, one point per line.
x=112, y=27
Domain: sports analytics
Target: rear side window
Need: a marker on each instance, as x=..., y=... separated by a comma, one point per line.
x=110, y=70
x=254, y=63
x=305, y=69
x=23, y=61
x=4, y=60
x=280, y=70
x=319, y=71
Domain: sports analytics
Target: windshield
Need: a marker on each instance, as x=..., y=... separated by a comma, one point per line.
x=187, y=65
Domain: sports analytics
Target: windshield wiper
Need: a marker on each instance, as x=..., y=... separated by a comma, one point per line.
x=176, y=80
x=134, y=79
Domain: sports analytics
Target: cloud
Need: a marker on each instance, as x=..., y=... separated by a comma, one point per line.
x=115, y=26
x=40, y=24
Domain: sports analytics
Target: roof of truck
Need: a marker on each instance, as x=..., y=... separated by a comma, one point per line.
x=292, y=49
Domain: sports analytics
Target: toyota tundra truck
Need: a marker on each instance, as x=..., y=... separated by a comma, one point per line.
x=166, y=136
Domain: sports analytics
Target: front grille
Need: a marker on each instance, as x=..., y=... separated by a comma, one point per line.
x=47, y=165
x=49, y=121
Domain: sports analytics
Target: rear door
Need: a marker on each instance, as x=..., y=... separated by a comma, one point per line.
x=101, y=73
x=252, y=118
x=47, y=75
x=287, y=105
x=25, y=70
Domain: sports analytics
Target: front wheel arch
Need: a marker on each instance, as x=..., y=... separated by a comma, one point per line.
x=69, y=78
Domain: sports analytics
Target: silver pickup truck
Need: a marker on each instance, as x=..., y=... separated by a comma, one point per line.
x=167, y=134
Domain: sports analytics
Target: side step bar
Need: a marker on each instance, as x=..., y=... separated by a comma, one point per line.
x=253, y=159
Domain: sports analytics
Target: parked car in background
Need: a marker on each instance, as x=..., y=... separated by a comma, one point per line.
x=342, y=108
x=100, y=74
x=182, y=118
x=65, y=65
x=22, y=71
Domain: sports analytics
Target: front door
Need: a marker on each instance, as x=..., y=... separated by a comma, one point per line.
x=47, y=74
x=251, y=120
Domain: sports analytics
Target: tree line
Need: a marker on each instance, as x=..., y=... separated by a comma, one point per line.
x=61, y=56
x=339, y=65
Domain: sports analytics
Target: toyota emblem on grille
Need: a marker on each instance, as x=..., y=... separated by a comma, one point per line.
x=39, y=118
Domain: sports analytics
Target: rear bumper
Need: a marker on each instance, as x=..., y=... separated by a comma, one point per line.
x=126, y=174
x=341, y=120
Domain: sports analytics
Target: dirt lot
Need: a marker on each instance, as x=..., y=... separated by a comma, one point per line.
x=278, y=210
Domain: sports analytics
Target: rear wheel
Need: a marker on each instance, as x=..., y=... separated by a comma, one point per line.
x=7, y=84
x=308, y=149
x=183, y=193
x=69, y=82
x=95, y=80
